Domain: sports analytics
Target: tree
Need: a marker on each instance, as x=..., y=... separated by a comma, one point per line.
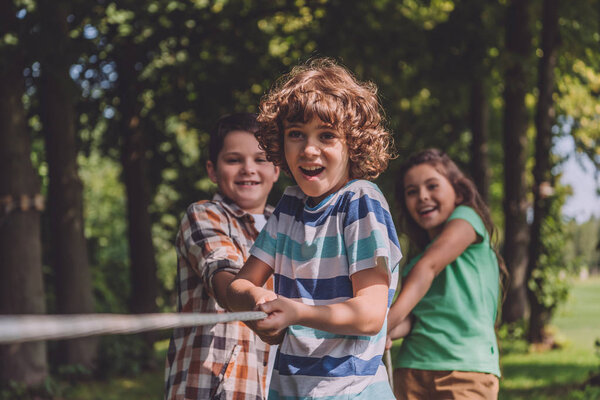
x=542, y=174
x=21, y=284
x=516, y=229
x=69, y=256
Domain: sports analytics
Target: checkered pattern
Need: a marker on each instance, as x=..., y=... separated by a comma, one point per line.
x=222, y=361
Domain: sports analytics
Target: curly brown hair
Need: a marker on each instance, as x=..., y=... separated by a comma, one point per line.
x=322, y=88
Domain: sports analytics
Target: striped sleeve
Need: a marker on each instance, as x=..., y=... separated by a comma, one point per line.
x=369, y=233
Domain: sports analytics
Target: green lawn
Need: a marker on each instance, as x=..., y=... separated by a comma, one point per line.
x=551, y=375
x=559, y=374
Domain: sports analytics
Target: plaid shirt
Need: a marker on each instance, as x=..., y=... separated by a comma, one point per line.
x=222, y=361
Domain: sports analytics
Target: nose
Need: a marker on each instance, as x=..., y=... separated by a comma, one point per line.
x=311, y=148
x=423, y=194
x=249, y=167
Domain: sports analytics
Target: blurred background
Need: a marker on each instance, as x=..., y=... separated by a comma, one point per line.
x=104, y=112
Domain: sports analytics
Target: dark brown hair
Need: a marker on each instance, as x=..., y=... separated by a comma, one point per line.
x=464, y=188
x=325, y=90
x=228, y=123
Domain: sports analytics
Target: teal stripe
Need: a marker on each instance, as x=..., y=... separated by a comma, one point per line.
x=326, y=247
x=266, y=243
x=378, y=390
x=363, y=249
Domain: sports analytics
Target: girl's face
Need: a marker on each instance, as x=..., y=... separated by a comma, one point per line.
x=430, y=198
x=242, y=172
x=317, y=157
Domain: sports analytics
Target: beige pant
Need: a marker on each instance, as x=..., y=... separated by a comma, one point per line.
x=416, y=384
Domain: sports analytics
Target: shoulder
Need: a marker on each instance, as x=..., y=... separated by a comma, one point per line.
x=365, y=195
x=469, y=215
x=204, y=207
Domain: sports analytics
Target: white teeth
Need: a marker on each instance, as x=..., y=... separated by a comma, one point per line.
x=247, y=183
x=312, y=168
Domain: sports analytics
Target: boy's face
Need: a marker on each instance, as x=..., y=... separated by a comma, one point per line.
x=317, y=157
x=242, y=172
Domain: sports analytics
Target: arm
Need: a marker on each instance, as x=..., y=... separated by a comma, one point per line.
x=456, y=236
x=363, y=314
x=208, y=248
x=220, y=281
x=245, y=292
x=402, y=329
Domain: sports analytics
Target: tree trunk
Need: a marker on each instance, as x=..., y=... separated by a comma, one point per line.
x=479, y=117
x=544, y=119
x=133, y=156
x=68, y=254
x=516, y=230
x=21, y=282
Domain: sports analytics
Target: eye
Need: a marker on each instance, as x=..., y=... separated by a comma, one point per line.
x=327, y=136
x=232, y=160
x=410, y=192
x=432, y=186
x=261, y=159
x=294, y=134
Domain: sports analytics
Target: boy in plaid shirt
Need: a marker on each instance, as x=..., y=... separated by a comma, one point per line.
x=227, y=360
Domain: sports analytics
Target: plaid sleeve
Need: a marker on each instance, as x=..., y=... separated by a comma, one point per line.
x=207, y=243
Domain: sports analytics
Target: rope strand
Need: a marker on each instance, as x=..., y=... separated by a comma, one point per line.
x=27, y=328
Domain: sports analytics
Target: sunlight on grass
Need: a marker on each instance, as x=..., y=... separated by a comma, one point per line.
x=560, y=373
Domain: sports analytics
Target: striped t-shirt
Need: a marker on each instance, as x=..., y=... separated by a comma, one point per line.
x=313, y=253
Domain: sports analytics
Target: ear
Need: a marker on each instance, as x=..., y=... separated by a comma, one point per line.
x=212, y=171
x=276, y=177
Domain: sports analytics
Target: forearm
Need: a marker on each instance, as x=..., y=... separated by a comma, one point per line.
x=242, y=295
x=414, y=288
x=355, y=316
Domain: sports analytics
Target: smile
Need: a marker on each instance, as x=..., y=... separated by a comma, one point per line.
x=247, y=183
x=427, y=210
x=312, y=171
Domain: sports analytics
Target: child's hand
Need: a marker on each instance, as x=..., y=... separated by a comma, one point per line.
x=282, y=311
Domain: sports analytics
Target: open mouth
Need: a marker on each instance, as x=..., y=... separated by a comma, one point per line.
x=247, y=183
x=312, y=171
x=427, y=211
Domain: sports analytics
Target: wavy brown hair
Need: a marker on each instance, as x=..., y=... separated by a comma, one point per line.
x=323, y=89
x=464, y=188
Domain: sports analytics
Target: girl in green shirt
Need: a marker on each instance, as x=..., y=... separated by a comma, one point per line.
x=449, y=299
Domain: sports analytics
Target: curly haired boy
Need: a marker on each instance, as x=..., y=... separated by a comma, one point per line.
x=330, y=243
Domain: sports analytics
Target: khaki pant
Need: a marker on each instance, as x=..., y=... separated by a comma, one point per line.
x=416, y=384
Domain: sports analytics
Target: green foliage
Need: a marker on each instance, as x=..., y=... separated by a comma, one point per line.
x=106, y=231
x=121, y=356
x=549, y=280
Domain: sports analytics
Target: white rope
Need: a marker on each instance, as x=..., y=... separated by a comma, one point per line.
x=26, y=328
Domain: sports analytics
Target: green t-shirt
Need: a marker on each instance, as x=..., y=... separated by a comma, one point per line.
x=453, y=327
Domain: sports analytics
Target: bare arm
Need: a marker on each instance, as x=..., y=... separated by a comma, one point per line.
x=245, y=292
x=363, y=314
x=399, y=331
x=220, y=281
x=456, y=236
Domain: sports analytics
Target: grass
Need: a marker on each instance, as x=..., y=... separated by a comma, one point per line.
x=551, y=375
x=559, y=373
